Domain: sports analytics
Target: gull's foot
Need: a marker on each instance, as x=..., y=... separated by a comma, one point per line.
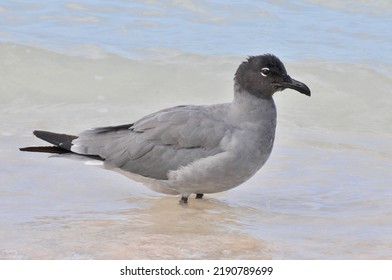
x=184, y=200
x=199, y=195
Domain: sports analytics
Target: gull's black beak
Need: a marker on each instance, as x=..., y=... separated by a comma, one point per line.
x=296, y=85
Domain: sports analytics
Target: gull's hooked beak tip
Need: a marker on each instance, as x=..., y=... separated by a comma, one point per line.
x=296, y=85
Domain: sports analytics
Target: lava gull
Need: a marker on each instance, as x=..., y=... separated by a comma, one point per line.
x=192, y=149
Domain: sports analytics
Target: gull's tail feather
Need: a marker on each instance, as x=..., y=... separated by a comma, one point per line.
x=62, y=142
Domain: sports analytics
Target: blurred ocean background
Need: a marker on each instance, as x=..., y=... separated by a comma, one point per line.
x=326, y=191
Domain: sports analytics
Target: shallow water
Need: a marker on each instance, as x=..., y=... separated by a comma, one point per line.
x=325, y=192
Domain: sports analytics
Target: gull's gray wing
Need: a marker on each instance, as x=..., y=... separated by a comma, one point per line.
x=157, y=143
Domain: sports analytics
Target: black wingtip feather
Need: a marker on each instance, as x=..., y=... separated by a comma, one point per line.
x=45, y=149
x=63, y=141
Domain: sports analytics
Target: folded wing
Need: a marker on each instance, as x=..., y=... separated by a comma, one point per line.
x=157, y=143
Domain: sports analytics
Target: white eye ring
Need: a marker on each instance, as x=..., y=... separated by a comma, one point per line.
x=265, y=71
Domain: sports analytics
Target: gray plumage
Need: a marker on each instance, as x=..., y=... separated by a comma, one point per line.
x=195, y=149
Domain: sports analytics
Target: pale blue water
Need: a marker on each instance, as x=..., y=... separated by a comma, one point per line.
x=293, y=29
x=325, y=192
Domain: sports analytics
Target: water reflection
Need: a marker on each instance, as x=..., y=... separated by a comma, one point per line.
x=161, y=229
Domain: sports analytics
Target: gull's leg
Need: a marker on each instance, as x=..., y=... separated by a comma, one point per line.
x=199, y=196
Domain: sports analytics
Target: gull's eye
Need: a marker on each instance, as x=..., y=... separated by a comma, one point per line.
x=265, y=71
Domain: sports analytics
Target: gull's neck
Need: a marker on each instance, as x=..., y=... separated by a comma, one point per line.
x=247, y=107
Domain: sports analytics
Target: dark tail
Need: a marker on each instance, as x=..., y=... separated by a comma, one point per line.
x=62, y=143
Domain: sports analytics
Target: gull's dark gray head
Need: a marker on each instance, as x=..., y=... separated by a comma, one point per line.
x=264, y=75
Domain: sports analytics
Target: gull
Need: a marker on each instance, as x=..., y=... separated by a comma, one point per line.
x=192, y=149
